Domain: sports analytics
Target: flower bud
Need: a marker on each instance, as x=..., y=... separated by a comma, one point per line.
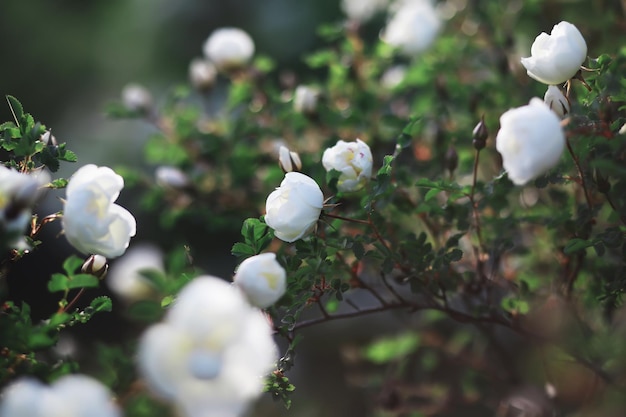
x=353, y=160
x=202, y=74
x=95, y=265
x=451, y=159
x=48, y=138
x=480, y=135
x=137, y=98
x=305, y=99
x=288, y=161
x=262, y=279
x=557, y=102
x=171, y=177
x=229, y=48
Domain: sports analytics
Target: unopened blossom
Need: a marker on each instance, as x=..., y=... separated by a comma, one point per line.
x=136, y=97
x=229, y=48
x=556, y=100
x=353, y=160
x=413, y=26
x=125, y=277
x=305, y=99
x=210, y=353
x=288, y=160
x=557, y=57
x=202, y=74
x=530, y=141
x=68, y=396
x=362, y=10
x=293, y=209
x=92, y=222
x=171, y=177
x=262, y=279
x=95, y=265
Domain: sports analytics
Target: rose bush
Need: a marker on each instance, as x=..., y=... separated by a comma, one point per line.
x=92, y=223
x=262, y=279
x=294, y=208
x=353, y=160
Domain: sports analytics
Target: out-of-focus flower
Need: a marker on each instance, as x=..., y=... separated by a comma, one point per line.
x=125, y=278
x=92, y=223
x=136, y=97
x=95, y=265
x=362, y=10
x=69, y=396
x=172, y=177
x=353, y=160
x=413, y=26
x=557, y=102
x=202, y=74
x=294, y=208
x=229, y=48
x=210, y=353
x=289, y=161
x=393, y=77
x=530, y=141
x=305, y=99
x=262, y=279
x=557, y=57
x=48, y=138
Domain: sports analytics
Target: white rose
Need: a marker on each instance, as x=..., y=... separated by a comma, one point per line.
x=202, y=74
x=557, y=102
x=229, y=48
x=557, y=57
x=294, y=208
x=172, y=177
x=210, y=352
x=305, y=99
x=262, y=279
x=353, y=160
x=530, y=141
x=288, y=161
x=413, y=26
x=362, y=10
x=124, y=277
x=69, y=396
x=136, y=97
x=92, y=223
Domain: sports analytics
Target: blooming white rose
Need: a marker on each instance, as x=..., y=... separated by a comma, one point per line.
x=202, y=73
x=262, y=279
x=530, y=141
x=305, y=99
x=229, y=48
x=557, y=57
x=124, y=277
x=69, y=396
x=92, y=223
x=136, y=97
x=294, y=208
x=362, y=10
x=211, y=351
x=289, y=161
x=557, y=102
x=353, y=160
x=413, y=26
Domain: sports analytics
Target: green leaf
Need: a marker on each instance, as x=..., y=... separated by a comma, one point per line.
x=16, y=108
x=59, y=319
x=392, y=348
x=575, y=245
x=58, y=183
x=102, y=303
x=147, y=311
x=432, y=193
x=72, y=264
x=58, y=282
x=83, y=281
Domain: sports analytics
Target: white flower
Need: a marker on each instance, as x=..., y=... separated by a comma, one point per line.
x=168, y=176
x=305, y=99
x=362, y=10
x=124, y=277
x=95, y=265
x=262, y=279
x=202, y=73
x=557, y=102
x=530, y=141
x=393, y=76
x=353, y=160
x=69, y=396
x=92, y=223
x=210, y=353
x=289, y=161
x=229, y=48
x=294, y=208
x=135, y=97
x=557, y=57
x=413, y=26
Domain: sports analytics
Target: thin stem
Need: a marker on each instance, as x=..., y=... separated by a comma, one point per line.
x=583, y=183
x=347, y=219
x=74, y=300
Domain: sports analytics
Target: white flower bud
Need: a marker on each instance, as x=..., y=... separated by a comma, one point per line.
x=92, y=223
x=530, y=141
x=48, y=138
x=413, y=26
x=289, y=161
x=305, y=99
x=95, y=265
x=557, y=57
x=262, y=279
x=202, y=74
x=293, y=209
x=68, y=396
x=353, y=160
x=125, y=279
x=168, y=176
x=557, y=102
x=229, y=48
x=136, y=98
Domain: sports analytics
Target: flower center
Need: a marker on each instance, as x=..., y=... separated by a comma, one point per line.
x=204, y=364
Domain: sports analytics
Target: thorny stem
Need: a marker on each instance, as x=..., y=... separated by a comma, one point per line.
x=74, y=300
x=347, y=219
x=477, y=253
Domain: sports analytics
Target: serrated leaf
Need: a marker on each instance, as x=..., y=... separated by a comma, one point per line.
x=16, y=108
x=71, y=264
x=58, y=282
x=59, y=183
x=83, y=281
x=58, y=319
x=102, y=303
